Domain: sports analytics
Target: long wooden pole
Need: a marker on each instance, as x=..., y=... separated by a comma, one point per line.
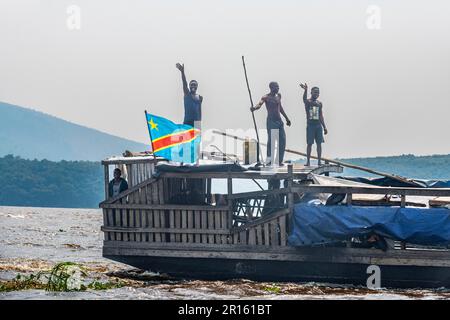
x=344, y=164
x=258, y=151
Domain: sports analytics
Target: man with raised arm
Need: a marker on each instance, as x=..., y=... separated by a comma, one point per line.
x=275, y=125
x=192, y=100
x=315, y=123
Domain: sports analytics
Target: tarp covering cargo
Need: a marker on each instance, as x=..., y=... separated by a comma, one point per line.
x=315, y=224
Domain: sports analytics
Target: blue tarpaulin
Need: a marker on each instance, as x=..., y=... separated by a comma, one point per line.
x=319, y=224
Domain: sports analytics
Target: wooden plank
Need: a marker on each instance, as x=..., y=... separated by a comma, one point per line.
x=259, y=239
x=283, y=230
x=160, y=184
x=266, y=234
x=172, y=224
x=372, y=190
x=204, y=226
x=117, y=223
x=143, y=216
x=162, y=207
x=262, y=220
x=125, y=236
x=168, y=230
x=211, y=226
x=236, y=238
x=105, y=223
x=163, y=223
x=274, y=241
x=156, y=213
x=243, y=237
x=111, y=222
x=440, y=201
x=252, y=236
x=106, y=177
x=125, y=161
x=137, y=215
x=190, y=225
x=217, y=220
x=198, y=226
x=224, y=224
x=178, y=224
x=184, y=225
x=150, y=224
x=255, y=194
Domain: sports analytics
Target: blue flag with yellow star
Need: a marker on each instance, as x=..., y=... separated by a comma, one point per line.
x=174, y=142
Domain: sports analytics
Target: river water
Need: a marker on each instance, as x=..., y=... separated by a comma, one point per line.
x=35, y=239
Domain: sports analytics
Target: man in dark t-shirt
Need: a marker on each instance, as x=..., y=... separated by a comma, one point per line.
x=275, y=126
x=315, y=123
x=192, y=100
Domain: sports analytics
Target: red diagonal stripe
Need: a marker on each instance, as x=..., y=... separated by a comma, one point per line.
x=173, y=139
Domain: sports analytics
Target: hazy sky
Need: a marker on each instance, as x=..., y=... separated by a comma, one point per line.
x=385, y=91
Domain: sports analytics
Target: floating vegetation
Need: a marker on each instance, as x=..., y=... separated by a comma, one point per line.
x=21, y=282
x=272, y=289
x=63, y=277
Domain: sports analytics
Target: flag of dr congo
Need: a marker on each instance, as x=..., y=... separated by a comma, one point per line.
x=174, y=142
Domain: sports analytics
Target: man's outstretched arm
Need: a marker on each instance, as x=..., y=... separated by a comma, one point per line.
x=183, y=78
x=305, y=93
x=259, y=104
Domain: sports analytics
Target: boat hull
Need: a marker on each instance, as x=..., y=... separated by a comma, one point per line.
x=313, y=266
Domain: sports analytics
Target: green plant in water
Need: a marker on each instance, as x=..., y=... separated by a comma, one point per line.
x=63, y=277
x=66, y=276
x=21, y=282
x=272, y=289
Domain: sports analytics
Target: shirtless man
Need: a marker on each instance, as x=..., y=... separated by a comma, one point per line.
x=315, y=123
x=274, y=122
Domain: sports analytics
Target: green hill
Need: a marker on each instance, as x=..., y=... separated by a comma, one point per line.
x=64, y=184
x=35, y=135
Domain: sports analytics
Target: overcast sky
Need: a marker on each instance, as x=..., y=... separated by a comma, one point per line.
x=385, y=91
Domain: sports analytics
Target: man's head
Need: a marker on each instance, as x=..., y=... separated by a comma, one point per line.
x=193, y=85
x=274, y=87
x=117, y=173
x=315, y=92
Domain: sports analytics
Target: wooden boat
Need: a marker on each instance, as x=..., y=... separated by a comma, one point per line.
x=244, y=235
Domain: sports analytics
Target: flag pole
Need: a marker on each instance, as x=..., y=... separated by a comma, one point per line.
x=150, y=133
x=258, y=149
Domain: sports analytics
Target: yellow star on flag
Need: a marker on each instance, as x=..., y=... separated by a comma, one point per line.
x=153, y=125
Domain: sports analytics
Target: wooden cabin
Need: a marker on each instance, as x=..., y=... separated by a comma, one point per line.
x=174, y=223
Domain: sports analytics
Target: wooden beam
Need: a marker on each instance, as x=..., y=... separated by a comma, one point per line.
x=373, y=190
x=106, y=171
x=260, y=221
x=167, y=230
x=162, y=207
x=255, y=194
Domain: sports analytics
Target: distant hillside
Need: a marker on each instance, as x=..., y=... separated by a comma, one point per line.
x=418, y=167
x=35, y=135
x=64, y=184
